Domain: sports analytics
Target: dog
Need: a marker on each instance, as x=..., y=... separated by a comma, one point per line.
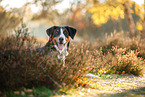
x=59, y=40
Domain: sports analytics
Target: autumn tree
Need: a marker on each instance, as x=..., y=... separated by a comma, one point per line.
x=102, y=12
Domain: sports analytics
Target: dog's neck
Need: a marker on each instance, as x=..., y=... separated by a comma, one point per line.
x=62, y=53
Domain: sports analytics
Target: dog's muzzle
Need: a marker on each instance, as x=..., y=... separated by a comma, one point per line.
x=61, y=43
x=61, y=40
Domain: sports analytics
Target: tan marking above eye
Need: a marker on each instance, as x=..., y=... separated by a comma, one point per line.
x=63, y=29
x=57, y=30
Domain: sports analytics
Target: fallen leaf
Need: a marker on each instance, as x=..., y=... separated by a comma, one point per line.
x=123, y=72
x=93, y=88
x=69, y=88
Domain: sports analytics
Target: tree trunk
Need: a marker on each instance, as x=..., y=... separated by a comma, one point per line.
x=129, y=19
x=143, y=31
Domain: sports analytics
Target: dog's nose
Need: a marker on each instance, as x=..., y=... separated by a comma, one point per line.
x=61, y=39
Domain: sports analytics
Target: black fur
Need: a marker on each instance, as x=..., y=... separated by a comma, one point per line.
x=72, y=31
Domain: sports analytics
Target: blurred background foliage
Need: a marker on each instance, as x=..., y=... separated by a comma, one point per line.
x=8, y=20
x=92, y=18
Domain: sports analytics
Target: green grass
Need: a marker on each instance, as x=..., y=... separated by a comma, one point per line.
x=35, y=92
x=43, y=92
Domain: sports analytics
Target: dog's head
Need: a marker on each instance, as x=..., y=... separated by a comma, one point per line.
x=61, y=35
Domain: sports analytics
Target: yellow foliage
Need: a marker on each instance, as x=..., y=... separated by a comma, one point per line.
x=139, y=26
x=103, y=12
x=110, y=9
x=137, y=9
x=143, y=5
x=132, y=11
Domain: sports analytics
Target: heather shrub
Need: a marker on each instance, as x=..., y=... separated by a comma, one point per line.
x=113, y=40
x=22, y=68
x=120, y=62
x=119, y=54
x=127, y=63
x=19, y=40
x=121, y=40
x=101, y=62
x=18, y=65
x=141, y=49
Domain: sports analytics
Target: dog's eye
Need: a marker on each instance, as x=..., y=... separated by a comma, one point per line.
x=56, y=31
x=65, y=32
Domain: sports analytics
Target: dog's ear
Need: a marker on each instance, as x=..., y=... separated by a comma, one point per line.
x=50, y=31
x=72, y=31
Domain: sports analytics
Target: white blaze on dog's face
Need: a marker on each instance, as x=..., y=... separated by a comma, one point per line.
x=61, y=40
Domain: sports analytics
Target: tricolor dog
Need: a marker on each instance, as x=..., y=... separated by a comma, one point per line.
x=59, y=39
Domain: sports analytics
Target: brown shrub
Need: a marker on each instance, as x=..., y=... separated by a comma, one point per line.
x=21, y=68
x=128, y=63
x=122, y=54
